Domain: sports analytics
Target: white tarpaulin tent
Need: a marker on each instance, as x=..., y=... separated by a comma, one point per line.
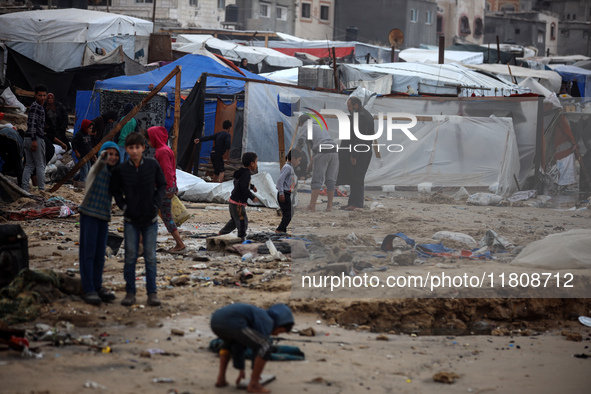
x=471, y=151
x=551, y=80
x=432, y=56
x=57, y=38
x=190, y=43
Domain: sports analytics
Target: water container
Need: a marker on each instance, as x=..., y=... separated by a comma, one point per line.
x=179, y=212
x=247, y=257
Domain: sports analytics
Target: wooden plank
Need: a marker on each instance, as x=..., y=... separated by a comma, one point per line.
x=116, y=129
x=177, y=111
x=281, y=139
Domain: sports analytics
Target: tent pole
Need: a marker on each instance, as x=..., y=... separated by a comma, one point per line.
x=116, y=129
x=177, y=111
x=281, y=140
x=539, y=143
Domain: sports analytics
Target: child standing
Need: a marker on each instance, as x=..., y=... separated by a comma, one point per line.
x=158, y=136
x=285, y=185
x=240, y=195
x=95, y=214
x=222, y=144
x=138, y=186
x=241, y=326
x=81, y=145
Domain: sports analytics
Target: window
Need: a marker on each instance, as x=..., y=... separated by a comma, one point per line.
x=413, y=15
x=465, y=26
x=574, y=16
x=564, y=33
x=478, y=27
x=567, y=16
x=428, y=17
x=540, y=37
x=324, y=12
x=306, y=8
x=553, y=31
x=586, y=34
x=221, y=4
x=264, y=10
x=191, y=3
x=487, y=6
x=507, y=8
x=281, y=13
x=150, y=1
x=489, y=29
x=517, y=31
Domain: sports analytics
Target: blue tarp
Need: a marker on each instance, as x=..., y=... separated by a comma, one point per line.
x=192, y=68
x=578, y=75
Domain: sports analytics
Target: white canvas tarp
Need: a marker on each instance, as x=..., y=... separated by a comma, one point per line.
x=432, y=56
x=189, y=43
x=450, y=151
x=57, y=38
x=551, y=80
x=570, y=249
x=192, y=188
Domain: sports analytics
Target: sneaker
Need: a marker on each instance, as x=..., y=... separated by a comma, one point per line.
x=153, y=299
x=129, y=299
x=92, y=298
x=105, y=295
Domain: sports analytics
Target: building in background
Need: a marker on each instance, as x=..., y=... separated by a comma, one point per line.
x=315, y=19
x=516, y=28
x=415, y=18
x=461, y=21
x=267, y=15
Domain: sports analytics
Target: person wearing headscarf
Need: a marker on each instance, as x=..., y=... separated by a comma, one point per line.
x=56, y=122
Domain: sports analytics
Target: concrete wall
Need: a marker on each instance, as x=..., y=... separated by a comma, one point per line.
x=516, y=30
x=250, y=18
x=314, y=28
x=381, y=16
x=453, y=12
x=205, y=14
x=574, y=38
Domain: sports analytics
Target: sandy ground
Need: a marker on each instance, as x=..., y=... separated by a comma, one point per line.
x=526, y=354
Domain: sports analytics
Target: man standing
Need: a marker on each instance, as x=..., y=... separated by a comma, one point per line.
x=354, y=162
x=324, y=161
x=34, y=143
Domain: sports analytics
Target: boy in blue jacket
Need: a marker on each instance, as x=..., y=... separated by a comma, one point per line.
x=241, y=326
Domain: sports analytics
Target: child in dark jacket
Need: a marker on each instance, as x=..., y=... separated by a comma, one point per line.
x=241, y=326
x=95, y=213
x=138, y=186
x=158, y=136
x=240, y=195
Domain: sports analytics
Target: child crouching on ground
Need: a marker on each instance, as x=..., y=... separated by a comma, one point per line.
x=240, y=195
x=241, y=326
x=95, y=214
x=285, y=185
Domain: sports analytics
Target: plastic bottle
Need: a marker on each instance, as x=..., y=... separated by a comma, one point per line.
x=247, y=257
x=272, y=248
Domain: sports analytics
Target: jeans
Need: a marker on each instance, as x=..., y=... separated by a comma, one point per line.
x=238, y=220
x=93, y=242
x=83, y=173
x=34, y=160
x=132, y=240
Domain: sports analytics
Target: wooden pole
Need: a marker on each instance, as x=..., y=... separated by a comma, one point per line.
x=441, y=49
x=334, y=68
x=177, y=111
x=281, y=139
x=498, y=51
x=116, y=129
x=539, y=144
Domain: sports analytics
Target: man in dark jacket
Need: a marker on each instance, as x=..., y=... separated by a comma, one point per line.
x=243, y=325
x=139, y=186
x=353, y=164
x=222, y=144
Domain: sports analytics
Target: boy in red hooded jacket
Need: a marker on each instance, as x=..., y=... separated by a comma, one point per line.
x=158, y=136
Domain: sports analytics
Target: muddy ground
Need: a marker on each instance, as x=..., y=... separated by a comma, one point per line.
x=376, y=345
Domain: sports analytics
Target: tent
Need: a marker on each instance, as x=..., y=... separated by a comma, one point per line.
x=266, y=59
x=580, y=76
x=193, y=66
x=57, y=38
x=432, y=56
x=551, y=80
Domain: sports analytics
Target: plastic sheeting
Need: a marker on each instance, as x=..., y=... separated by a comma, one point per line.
x=450, y=151
x=432, y=56
x=192, y=188
x=551, y=80
x=570, y=249
x=57, y=38
x=264, y=115
x=578, y=75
